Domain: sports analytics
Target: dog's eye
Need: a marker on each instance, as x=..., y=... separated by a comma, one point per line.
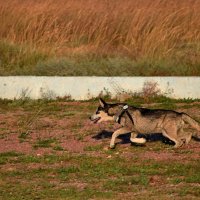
x=101, y=109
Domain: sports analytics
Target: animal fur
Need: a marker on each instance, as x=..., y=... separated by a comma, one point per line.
x=146, y=121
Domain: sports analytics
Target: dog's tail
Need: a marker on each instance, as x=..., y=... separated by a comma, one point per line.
x=186, y=118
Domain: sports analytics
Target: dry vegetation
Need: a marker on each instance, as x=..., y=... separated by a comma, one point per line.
x=160, y=37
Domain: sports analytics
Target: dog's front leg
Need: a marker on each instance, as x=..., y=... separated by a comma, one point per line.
x=118, y=132
x=134, y=138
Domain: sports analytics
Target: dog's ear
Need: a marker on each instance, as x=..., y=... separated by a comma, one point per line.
x=102, y=103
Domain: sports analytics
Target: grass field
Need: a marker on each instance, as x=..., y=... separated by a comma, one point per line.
x=50, y=150
x=100, y=37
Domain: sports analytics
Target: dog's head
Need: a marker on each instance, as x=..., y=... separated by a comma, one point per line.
x=105, y=112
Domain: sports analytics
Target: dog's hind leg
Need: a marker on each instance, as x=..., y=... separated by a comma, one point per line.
x=118, y=132
x=184, y=135
x=174, y=137
x=137, y=140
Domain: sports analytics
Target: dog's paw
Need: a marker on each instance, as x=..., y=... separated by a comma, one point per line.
x=112, y=146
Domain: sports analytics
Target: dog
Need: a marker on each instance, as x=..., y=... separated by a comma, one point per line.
x=146, y=121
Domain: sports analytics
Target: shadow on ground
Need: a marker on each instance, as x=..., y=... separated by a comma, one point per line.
x=125, y=139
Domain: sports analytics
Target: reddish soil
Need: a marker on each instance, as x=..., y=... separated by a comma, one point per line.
x=73, y=133
x=171, y=156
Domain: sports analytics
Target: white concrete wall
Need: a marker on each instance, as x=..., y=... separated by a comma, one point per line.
x=81, y=88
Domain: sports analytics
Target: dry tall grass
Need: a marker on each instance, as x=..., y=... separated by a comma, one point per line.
x=133, y=28
x=140, y=27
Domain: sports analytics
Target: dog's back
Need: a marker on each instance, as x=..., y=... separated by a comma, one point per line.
x=153, y=121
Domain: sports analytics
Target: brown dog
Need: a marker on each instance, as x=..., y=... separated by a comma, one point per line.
x=146, y=121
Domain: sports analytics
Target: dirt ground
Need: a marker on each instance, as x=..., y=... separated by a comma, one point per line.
x=63, y=128
x=66, y=127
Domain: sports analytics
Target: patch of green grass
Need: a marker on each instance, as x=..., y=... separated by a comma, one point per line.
x=23, y=136
x=6, y=156
x=68, y=170
x=10, y=154
x=103, y=177
x=18, y=60
x=30, y=159
x=52, y=158
x=63, y=173
x=123, y=184
x=193, y=178
x=14, y=173
x=58, y=148
x=140, y=180
x=100, y=168
x=23, y=60
x=176, y=180
x=52, y=107
x=84, y=66
x=49, y=191
x=178, y=169
x=184, y=151
x=49, y=106
x=191, y=191
x=45, y=143
x=163, y=101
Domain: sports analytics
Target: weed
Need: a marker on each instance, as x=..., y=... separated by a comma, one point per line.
x=123, y=184
x=93, y=148
x=22, y=136
x=150, y=90
x=65, y=171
